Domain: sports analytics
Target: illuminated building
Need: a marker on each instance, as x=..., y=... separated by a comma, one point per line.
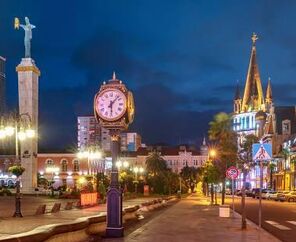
x=130, y=141
x=91, y=134
x=252, y=112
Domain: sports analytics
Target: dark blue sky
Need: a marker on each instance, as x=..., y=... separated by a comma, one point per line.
x=181, y=58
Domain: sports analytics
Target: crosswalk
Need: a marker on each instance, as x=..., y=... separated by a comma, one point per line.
x=281, y=226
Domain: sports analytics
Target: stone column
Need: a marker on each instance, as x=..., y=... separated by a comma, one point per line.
x=28, y=75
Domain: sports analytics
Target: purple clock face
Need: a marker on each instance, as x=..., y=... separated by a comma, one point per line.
x=111, y=104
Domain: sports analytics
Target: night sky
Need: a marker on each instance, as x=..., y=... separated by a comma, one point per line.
x=180, y=58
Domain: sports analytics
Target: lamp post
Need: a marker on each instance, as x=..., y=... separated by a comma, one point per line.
x=53, y=170
x=137, y=170
x=20, y=127
x=90, y=154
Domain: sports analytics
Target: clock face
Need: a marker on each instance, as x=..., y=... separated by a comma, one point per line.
x=111, y=104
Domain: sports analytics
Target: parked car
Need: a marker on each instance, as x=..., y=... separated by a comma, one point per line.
x=255, y=191
x=282, y=196
x=249, y=193
x=238, y=192
x=291, y=197
x=266, y=193
x=271, y=195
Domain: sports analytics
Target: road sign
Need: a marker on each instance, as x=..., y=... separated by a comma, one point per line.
x=262, y=152
x=232, y=172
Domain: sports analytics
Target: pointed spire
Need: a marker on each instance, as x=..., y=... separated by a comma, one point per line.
x=254, y=38
x=268, y=98
x=114, y=76
x=237, y=92
x=253, y=94
x=204, y=141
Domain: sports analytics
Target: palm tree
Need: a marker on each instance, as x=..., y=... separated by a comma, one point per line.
x=285, y=154
x=245, y=155
x=272, y=167
x=155, y=164
x=226, y=140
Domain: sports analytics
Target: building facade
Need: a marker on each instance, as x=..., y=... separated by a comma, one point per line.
x=2, y=86
x=251, y=112
x=91, y=134
x=130, y=141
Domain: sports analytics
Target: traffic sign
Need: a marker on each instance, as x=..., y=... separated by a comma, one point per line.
x=232, y=172
x=262, y=152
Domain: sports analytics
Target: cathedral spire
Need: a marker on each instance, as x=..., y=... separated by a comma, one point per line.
x=253, y=95
x=114, y=76
x=268, y=97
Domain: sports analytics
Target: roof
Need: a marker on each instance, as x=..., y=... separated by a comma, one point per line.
x=285, y=113
x=253, y=87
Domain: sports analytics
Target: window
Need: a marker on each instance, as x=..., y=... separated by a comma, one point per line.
x=286, y=127
x=49, y=163
x=76, y=165
x=64, y=165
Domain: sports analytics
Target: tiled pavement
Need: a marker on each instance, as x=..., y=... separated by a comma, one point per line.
x=10, y=226
x=192, y=219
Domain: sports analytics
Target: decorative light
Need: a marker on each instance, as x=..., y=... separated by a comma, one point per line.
x=21, y=135
x=30, y=133
x=118, y=164
x=213, y=153
x=141, y=169
x=9, y=130
x=2, y=133
x=136, y=169
x=81, y=180
x=125, y=164
x=80, y=155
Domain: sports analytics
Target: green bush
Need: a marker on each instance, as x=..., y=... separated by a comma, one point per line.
x=5, y=192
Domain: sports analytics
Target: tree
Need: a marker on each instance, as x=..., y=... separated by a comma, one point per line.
x=189, y=176
x=159, y=177
x=285, y=154
x=272, y=167
x=155, y=164
x=245, y=155
x=225, y=139
x=210, y=175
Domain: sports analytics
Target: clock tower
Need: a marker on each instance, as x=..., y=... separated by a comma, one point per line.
x=114, y=109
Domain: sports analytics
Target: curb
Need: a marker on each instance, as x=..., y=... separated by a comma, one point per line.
x=262, y=230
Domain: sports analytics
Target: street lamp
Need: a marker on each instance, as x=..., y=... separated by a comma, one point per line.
x=20, y=127
x=90, y=154
x=137, y=170
x=54, y=171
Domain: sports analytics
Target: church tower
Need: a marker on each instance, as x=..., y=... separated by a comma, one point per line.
x=251, y=111
x=268, y=97
x=253, y=99
x=237, y=102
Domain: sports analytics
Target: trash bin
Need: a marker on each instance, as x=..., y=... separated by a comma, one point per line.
x=224, y=211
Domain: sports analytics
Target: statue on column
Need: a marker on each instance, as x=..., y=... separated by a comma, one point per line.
x=28, y=34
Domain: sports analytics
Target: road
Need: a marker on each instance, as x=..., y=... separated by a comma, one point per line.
x=278, y=218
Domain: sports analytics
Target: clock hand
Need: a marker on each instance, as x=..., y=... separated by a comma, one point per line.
x=111, y=107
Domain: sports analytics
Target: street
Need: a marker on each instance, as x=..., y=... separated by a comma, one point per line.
x=278, y=218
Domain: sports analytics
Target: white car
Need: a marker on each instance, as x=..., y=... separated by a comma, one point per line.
x=271, y=195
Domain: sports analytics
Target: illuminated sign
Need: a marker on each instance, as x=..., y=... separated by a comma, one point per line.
x=88, y=199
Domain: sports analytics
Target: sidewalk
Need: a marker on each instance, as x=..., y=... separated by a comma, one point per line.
x=11, y=226
x=192, y=219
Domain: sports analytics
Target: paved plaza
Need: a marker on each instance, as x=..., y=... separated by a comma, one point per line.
x=10, y=226
x=192, y=219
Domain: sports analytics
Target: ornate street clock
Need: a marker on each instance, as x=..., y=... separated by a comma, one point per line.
x=114, y=109
x=114, y=105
